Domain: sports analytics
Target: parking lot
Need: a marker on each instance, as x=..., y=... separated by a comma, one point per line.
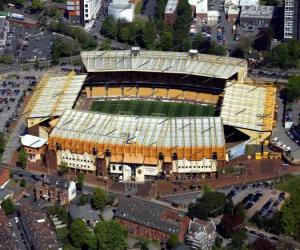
x=28, y=45
x=258, y=197
x=12, y=93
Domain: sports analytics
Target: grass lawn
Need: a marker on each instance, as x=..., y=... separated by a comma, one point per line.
x=290, y=184
x=152, y=108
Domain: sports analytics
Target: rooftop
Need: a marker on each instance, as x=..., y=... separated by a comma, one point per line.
x=32, y=141
x=258, y=11
x=85, y=212
x=54, y=181
x=54, y=94
x=146, y=213
x=145, y=131
x=249, y=106
x=162, y=62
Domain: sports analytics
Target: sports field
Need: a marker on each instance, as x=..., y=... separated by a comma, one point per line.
x=152, y=108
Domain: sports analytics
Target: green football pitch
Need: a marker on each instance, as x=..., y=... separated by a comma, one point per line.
x=152, y=108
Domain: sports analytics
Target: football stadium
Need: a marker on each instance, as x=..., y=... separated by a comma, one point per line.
x=137, y=115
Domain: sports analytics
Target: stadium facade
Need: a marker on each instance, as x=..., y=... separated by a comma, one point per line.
x=138, y=148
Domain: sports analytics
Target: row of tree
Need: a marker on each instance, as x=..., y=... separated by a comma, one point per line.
x=156, y=35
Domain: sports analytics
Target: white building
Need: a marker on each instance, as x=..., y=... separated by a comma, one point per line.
x=90, y=10
x=245, y=3
x=121, y=9
x=288, y=19
x=201, y=234
x=4, y=29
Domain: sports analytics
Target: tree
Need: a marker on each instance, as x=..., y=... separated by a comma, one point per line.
x=166, y=41
x=81, y=236
x=23, y=157
x=83, y=199
x=109, y=27
x=218, y=243
x=110, y=235
x=106, y=44
x=149, y=34
x=23, y=183
x=293, y=88
x=2, y=144
x=80, y=180
x=99, y=199
x=36, y=5
x=238, y=239
x=210, y=204
x=263, y=40
x=8, y=206
x=173, y=241
x=262, y=244
x=63, y=167
x=124, y=34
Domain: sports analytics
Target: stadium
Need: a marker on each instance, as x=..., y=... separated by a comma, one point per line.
x=136, y=115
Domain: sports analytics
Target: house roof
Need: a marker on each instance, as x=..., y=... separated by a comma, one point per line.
x=85, y=212
x=145, y=213
x=32, y=141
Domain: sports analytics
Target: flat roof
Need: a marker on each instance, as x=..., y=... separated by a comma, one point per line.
x=54, y=94
x=32, y=141
x=162, y=62
x=249, y=106
x=145, y=131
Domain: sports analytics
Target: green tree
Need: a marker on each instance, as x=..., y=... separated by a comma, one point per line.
x=83, y=199
x=63, y=167
x=8, y=206
x=166, y=41
x=2, y=144
x=80, y=180
x=109, y=27
x=173, y=241
x=210, y=204
x=99, y=199
x=23, y=183
x=218, y=243
x=293, y=88
x=81, y=236
x=110, y=235
x=149, y=35
x=106, y=44
x=36, y=5
x=238, y=239
x=263, y=40
x=124, y=34
x=23, y=157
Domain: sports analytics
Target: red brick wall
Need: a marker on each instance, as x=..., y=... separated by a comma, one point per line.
x=139, y=230
x=4, y=176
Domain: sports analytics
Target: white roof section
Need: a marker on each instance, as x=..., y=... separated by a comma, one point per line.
x=163, y=62
x=32, y=141
x=243, y=3
x=244, y=106
x=171, y=6
x=121, y=9
x=145, y=131
x=201, y=6
x=258, y=11
x=57, y=94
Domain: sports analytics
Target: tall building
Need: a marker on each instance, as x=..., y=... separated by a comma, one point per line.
x=292, y=19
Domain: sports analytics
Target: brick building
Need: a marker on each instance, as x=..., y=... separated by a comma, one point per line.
x=55, y=190
x=170, y=12
x=4, y=177
x=34, y=146
x=38, y=228
x=6, y=234
x=152, y=221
